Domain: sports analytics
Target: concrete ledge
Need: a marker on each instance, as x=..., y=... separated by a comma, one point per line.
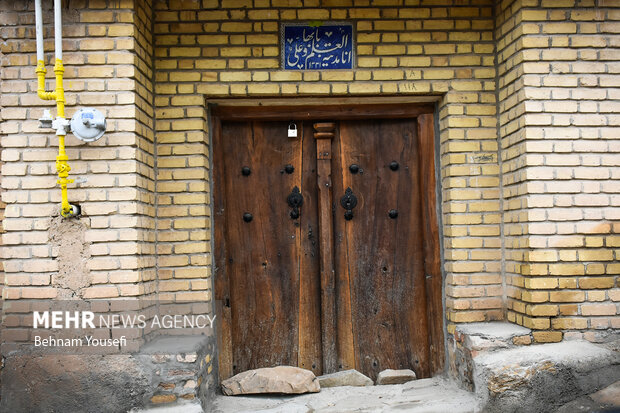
x=497, y=330
x=492, y=335
x=73, y=383
x=166, y=371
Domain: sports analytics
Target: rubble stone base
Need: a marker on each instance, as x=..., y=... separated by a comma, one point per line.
x=509, y=376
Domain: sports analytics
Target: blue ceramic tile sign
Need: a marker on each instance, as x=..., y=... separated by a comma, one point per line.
x=317, y=47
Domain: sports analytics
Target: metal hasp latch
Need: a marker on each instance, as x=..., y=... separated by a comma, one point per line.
x=295, y=201
x=348, y=202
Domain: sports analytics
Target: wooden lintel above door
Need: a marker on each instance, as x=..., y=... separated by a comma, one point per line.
x=324, y=112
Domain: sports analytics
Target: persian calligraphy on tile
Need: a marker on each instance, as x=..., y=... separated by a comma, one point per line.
x=327, y=46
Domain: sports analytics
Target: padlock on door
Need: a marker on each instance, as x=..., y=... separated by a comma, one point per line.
x=292, y=130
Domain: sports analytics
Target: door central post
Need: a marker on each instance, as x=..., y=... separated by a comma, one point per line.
x=324, y=134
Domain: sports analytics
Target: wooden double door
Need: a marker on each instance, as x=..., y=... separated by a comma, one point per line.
x=327, y=252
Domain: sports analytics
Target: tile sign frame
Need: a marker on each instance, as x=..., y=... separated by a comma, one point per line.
x=317, y=46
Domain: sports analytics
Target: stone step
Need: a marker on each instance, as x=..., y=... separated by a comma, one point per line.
x=542, y=377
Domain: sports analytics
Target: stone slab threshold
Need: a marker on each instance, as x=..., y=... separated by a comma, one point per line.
x=427, y=395
x=495, y=371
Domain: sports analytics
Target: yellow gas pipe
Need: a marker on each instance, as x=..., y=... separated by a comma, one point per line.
x=62, y=165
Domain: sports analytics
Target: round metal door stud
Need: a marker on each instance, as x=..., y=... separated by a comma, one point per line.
x=354, y=168
x=393, y=213
x=247, y=217
x=246, y=171
x=394, y=166
x=289, y=169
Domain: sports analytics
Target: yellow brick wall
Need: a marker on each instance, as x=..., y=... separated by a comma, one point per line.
x=559, y=127
x=108, y=65
x=440, y=48
x=147, y=200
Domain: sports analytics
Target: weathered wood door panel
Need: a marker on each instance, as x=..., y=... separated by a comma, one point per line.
x=270, y=271
x=270, y=257
x=379, y=258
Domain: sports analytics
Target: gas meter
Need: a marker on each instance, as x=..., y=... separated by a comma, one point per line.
x=88, y=124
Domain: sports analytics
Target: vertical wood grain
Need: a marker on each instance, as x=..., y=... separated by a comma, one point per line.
x=432, y=260
x=262, y=255
x=222, y=289
x=382, y=256
x=310, y=345
x=324, y=133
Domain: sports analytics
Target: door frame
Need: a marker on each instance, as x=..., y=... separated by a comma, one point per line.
x=335, y=109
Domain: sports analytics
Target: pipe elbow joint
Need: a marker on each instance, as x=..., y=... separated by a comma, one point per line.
x=46, y=95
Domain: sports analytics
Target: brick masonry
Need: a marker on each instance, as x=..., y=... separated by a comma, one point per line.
x=528, y=141
x=106, y=67
x=222, y=49
x=558, y=65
